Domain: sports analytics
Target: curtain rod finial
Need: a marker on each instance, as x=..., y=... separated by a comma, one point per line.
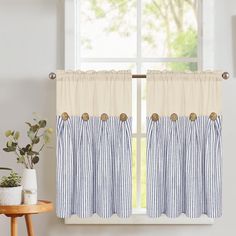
x=225, y=75
x=52, y=76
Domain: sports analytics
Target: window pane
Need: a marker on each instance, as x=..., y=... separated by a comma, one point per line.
x=134, y=173
x=108, y=28
x=172, y=66
x=169, y=28
x=108, y=66
x=143, y=173
x=134, y=105
x=143, y=106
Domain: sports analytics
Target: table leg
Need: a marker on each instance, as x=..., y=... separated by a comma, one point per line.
x=29, y=225
x=13, y=226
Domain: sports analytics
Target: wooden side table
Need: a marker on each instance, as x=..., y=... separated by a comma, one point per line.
x=26, y=211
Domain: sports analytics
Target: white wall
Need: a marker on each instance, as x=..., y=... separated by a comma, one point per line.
x=31, y=46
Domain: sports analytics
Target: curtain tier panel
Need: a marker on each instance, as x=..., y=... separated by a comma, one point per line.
x=184, y=148
x=94, y=130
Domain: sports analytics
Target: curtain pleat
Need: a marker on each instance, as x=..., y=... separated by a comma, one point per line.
x=104, y=178
x=213, y=165
x=124, y=170
x=155, y=167
x=184, y=167
x=114, y=177
x=64, y=166
x=83, y=167
x=194, y=170
x=173, y=172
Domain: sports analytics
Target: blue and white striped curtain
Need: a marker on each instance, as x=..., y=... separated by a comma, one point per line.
x=94, y=143
x=184, y=148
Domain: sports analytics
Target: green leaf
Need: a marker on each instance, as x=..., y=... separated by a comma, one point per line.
x=12, y=149
x=46, y=138
x=8, y=133
x=17, y=135
x=28, y=124
x=28, y=147
x=9, y=143
x=36, y=140
x=5, y=168
x=31, y=134
x=35, y=153
x=35, y=159
x=20, y=160
x=34, y=128
x=42, y=123
x=14, y=144
x=9, y=149
x=6, y=149
x=49, y=130
x=22, y=151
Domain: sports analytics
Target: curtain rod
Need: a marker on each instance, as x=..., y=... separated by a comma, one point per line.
x=53, y=76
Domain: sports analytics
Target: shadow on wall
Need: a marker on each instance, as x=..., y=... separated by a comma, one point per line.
x=234, y=44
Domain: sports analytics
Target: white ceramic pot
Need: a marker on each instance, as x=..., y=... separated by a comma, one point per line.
x=29, y=182
x=10, y=196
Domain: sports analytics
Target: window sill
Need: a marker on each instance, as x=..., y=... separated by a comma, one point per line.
x=139, y=218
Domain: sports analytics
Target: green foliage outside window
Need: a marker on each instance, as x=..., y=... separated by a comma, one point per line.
x=170, y=17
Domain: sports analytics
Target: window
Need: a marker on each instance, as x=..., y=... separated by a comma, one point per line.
x=136, y=35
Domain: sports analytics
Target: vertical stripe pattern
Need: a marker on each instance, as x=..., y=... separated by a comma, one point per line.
x=184, y=161
x=94, y=167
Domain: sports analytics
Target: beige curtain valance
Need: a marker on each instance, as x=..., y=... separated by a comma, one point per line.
x=183, y=93
x=95, y=93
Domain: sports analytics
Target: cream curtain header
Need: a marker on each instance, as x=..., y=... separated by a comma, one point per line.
x=94, y=92
x=183, y=93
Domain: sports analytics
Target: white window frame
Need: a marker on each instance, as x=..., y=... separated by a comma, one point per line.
x=205, y=61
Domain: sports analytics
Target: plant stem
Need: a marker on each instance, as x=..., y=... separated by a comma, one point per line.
x=28, y=162
x=20, y=157
x=41, y=148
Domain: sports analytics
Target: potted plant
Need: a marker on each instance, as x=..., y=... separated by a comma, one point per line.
x=10, y=189
x=39, y=136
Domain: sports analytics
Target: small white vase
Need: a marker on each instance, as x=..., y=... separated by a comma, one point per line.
x=29, y=182
x=10, y=196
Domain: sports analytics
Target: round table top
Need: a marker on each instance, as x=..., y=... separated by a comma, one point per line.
x=40, y=207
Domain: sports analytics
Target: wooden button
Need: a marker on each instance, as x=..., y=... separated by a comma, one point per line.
x=123, y=117
x=192, y=117
x=155, y=117
x=104, y=117
x=213, y=116
x=174, y=117
x=85, y=117
x=64, y=116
